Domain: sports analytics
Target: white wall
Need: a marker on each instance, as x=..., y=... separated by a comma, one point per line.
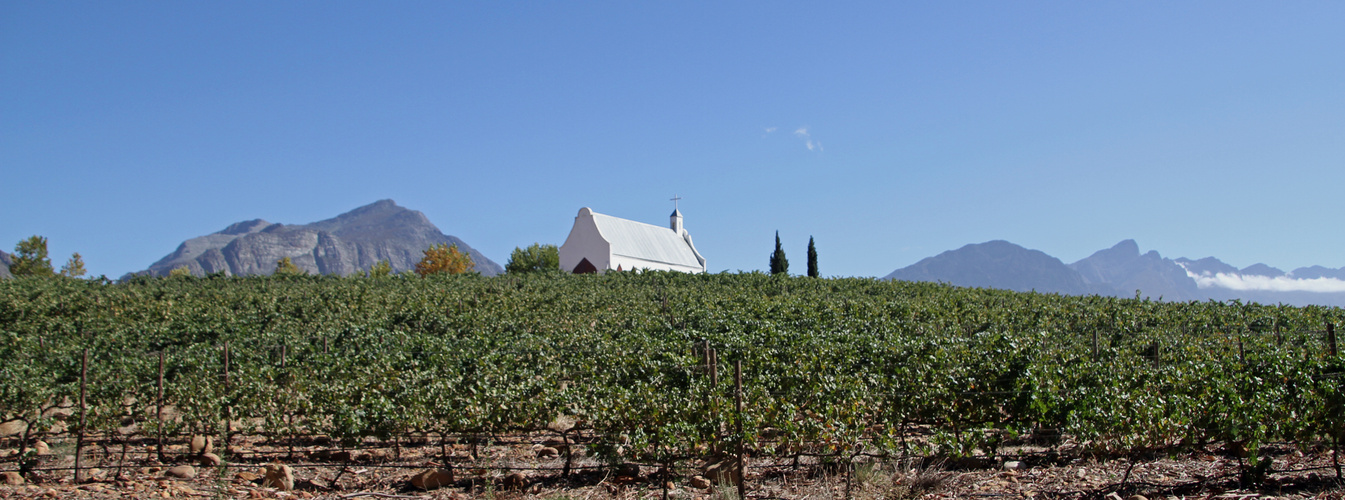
x=628, y=263
x=583, y=242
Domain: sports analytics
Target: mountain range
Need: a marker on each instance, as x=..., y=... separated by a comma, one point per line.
x=1122, y=271
x=343, y=245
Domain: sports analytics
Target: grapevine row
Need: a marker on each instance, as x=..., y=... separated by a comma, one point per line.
x=852, y=363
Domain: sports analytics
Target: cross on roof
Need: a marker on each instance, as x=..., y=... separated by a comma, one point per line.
x=675, y=199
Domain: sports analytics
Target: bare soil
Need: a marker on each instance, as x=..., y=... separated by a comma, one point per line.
x=383, y=470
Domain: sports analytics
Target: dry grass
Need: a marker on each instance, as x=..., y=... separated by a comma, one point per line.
x=895, y=481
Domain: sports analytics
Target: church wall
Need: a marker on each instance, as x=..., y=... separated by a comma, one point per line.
x=628, y=263
x=585, y=242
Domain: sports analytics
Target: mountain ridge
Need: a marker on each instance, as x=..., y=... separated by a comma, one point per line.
x=1122, y=271
x=996, y=264
x=345, y=244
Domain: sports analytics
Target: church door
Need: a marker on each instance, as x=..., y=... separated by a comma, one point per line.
x=585, y=267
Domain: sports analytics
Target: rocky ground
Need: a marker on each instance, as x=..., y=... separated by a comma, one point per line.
x=529, y=467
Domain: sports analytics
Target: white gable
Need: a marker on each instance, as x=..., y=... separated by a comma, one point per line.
x=610, y=243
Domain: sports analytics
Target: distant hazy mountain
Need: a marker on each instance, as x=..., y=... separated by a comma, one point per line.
x=1315, y=272
x=996, y=264
x=5, y=261
x=342, y=245
x=1261, y=270
x=1207, y=265
x=1122, y=270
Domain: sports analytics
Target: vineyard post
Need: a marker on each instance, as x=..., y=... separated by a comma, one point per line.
x=1095, y=344
x=1335, y=453
x=1242, y=353
x=705, y=356
x=289, y=418
x=714, y=408
x=79, y=437
x=228, y=413
x=324, y=344
x=738, y=405
x=1331, y=337
x=158, y=410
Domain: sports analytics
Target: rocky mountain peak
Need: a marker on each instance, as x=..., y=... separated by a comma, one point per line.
x=345, y=244
x=245, y=227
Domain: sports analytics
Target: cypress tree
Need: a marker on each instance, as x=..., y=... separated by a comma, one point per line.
x=812, y=258
x=779, y=264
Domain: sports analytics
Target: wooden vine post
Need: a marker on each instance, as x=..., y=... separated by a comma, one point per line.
x=1331, y=338
x=738, y=405
x=158, y=409
x=289, y=417
x=228, y=410
x=83, y=408
x=714, y=406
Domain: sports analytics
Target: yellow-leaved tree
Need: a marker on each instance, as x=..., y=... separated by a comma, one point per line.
x=286, y=267
x=443, y=258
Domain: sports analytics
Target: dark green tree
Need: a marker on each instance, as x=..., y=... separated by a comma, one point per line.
x=380, y=269
x=812, y=258
x=536, y=258
x=779, y=264
x=30, y=258
x=74, y=267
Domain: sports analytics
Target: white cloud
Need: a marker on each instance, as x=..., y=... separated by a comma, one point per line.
x=771, y=129
x=808, y=141
x=1234, y=281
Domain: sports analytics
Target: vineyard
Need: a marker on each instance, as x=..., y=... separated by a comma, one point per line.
x=641, y=366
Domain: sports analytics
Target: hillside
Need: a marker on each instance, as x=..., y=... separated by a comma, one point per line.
x=1122, y=271
x=343, y=245
x=997, y=264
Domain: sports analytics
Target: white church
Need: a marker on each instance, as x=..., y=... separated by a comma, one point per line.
x=599, y=243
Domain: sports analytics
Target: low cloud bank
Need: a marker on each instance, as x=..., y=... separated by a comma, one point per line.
x=1233, y=281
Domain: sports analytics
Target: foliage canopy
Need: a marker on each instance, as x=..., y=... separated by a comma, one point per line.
x=535, y=258
x=74, y=267
x=30, y=258
x=286, y=267
x=444, y=259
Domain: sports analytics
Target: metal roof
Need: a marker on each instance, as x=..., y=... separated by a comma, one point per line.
x=645, y=241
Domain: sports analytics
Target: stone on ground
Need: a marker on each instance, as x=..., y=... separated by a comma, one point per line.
x=279, y=476
x=181, y=472
x=202, y=444
x=433, y=479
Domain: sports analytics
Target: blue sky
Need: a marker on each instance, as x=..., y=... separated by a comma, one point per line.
x=1195, y=128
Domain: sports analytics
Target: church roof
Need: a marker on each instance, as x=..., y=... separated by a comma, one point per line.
x=645, y=241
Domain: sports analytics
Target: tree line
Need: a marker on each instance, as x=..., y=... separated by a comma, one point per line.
x=31, y=259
